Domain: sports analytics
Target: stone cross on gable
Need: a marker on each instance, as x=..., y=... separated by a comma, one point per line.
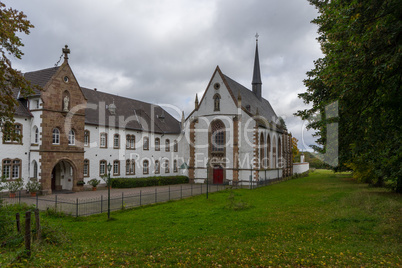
x=66, y=51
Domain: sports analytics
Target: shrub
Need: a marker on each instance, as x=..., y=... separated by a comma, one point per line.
x=148, y=181
x=33, y=186
x=94, y=182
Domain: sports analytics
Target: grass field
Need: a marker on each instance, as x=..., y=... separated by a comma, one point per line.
x=325, y=219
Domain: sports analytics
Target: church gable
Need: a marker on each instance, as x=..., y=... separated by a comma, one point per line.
x=217, y=98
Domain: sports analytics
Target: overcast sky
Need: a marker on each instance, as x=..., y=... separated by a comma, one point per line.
x=165, y=51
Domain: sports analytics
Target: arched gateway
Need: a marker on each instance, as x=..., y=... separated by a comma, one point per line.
x=62, y=177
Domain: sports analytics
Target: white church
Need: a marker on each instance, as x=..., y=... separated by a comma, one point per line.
x=66, y=134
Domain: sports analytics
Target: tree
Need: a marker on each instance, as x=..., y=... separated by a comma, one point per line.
x=12, y=22
x=360, y=70
x=295, y=150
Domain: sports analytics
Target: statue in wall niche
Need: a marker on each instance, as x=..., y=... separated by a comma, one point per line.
x=66, y=101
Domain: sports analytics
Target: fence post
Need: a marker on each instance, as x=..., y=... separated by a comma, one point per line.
x=181, y=191
x=17, y=217
x=28, y=232
x=19, y=197
x=101, y=203
x=191, y=189
x=37, y=222
x=122, y=200
x=140, y=196
x=76, y=209
x=169, y=192
x=55, y=203
x=156, y=198
x=37, y=203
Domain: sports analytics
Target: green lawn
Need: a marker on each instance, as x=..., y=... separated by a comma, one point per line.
x=325, y=219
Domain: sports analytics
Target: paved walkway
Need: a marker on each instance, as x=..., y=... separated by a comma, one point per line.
x=93, y=202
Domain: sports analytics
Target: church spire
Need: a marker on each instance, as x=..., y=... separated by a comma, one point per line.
x=257, y=84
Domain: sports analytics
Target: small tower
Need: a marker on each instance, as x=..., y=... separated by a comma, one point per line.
x=257, y=84
x=196, y=101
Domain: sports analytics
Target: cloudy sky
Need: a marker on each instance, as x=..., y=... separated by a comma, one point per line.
x=165, y=51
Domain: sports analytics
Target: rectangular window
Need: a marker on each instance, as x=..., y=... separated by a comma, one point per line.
x=16, y=169
x=103, y=140
x=102, y=168
x=116, y=141
x=176, y=146
x=86, y=168
x=12, y=133
x=6, y=168
x=167, y=145
x=145, y=167
x=116, y=167
x=175, y=166
x=146, y=143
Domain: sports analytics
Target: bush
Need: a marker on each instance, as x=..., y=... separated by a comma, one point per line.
x=148, y=181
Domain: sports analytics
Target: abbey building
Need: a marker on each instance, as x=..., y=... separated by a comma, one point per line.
x=66, y=134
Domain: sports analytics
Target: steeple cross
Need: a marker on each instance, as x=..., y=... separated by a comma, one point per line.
x=66, y=51
x=256, y=37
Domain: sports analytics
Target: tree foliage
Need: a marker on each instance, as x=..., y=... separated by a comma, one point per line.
x=295, y=150
x=12, y=22
x=361, y=70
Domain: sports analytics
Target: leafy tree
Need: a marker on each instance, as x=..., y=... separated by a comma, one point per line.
x=295, y=150
x=12, y=22
x=361, y=41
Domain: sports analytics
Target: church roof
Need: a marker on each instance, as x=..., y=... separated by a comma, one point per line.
x=249, y=98
x=20, y=109
x=41, y=77
x=136, y=115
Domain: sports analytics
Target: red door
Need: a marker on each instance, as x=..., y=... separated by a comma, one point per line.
x=218, y=175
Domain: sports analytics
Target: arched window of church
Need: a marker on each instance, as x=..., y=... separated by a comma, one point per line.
x=217, y=99
x=274, y=152
x=86, y=138
x=102, y=167
x=176, y=146
x=280, y=164
x=217, y=136
x=35, y=169
x=56, y=136
x=103, y=140
x=157, y=144
x=146, y=143
x=167, y=145
x=71, y=137
x=262, y=151
x=167, y=169
x=36, y=135
x=157, y=167
x=174, y=165
x=268, y=151
x=145, y=167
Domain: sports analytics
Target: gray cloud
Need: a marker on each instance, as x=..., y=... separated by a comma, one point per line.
x=166, y=51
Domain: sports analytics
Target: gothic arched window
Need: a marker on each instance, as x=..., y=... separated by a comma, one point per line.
x=218, y=136
x=262, y=151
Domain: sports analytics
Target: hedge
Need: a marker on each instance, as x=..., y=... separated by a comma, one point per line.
x=148, y=181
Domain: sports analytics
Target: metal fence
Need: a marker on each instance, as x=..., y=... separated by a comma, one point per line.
x=88, y=206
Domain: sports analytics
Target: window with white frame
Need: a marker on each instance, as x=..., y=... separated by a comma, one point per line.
x=86, y=138
x=71, y=137
x=86, y=168
x=145, y=167
x=116, y=167
x=56, y=136
x=102, y=167
x=103, y=140
x=116, y=141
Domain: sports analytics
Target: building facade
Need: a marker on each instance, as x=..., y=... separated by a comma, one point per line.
x=65, y=133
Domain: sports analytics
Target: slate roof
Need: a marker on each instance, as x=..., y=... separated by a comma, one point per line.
x=249, y=98
x=40, y=77
x=20, y=109
x=139, y=115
